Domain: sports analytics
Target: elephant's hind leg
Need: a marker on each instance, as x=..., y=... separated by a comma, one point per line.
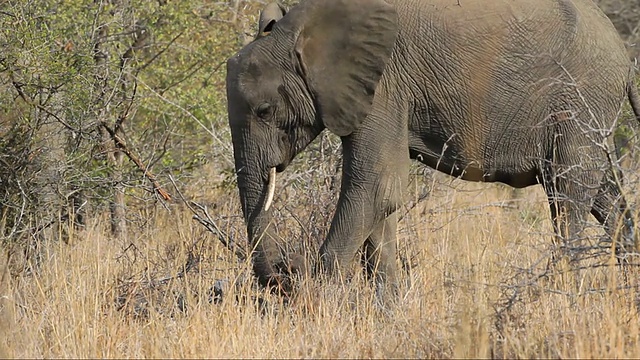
x=570, y=191
x=610, y=209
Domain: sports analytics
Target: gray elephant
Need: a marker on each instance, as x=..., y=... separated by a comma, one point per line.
x=521, y=92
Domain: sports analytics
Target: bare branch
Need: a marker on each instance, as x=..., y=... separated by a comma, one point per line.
x=145, y=170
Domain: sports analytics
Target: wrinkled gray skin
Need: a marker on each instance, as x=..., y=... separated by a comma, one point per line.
x=521, y=92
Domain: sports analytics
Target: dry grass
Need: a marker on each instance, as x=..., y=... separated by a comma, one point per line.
x=472, y=292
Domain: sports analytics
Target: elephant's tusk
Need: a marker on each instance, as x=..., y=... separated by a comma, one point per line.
x=271, y=188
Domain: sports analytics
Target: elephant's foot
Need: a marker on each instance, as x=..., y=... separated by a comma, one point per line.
x=282, y=282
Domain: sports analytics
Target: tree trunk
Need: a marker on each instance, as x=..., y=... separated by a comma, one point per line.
x=117, y=206
x=50, y=184
x=114, y=157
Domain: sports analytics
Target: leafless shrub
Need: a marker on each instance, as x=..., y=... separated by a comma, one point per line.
x=625, y=16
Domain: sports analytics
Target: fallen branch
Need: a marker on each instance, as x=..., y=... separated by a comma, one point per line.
x=201, y=215
x=208, y=223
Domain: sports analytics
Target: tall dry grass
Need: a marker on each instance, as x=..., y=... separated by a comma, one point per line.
x=470, y=288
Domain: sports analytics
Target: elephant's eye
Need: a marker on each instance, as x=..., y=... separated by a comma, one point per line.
x=264, y=111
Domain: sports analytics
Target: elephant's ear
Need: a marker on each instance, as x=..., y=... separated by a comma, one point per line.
x=342, y=50
x=271, y=14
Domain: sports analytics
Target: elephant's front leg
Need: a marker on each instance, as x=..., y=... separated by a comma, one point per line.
x=379, y=255
x=375, y=170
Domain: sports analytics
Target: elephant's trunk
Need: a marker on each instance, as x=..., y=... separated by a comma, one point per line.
x=256, y=195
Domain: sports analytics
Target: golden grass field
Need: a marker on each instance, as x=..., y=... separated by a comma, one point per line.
x=472, y=291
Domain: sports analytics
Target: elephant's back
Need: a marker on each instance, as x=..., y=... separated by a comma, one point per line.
x=551, y=26
x=506, y=49
x=492, y=68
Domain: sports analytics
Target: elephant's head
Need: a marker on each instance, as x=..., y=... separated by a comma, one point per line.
x=312, y=68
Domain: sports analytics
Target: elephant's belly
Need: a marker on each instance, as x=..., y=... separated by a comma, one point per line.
x=474, y=172
x=519, y=179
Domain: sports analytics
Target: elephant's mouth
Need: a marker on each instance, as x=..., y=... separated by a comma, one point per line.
x=283, y=165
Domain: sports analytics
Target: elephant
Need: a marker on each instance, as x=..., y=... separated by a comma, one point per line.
x=522, y=92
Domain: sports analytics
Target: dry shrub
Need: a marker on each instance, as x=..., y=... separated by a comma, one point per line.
x=625, y=16
x=471, y=285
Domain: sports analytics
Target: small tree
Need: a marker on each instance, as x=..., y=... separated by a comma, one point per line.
x=100, y=99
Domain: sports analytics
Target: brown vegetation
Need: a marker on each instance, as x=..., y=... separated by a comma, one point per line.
x=625, y=16
x=472, y=254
